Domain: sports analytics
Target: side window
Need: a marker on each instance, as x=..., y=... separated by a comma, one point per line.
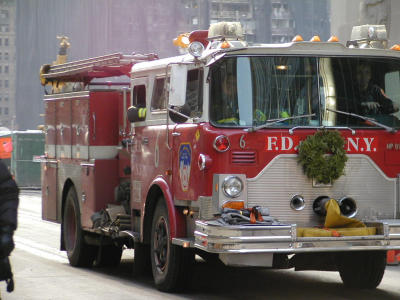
x=194, y=92
x=392, y=87
x=158, y=98
x=139, y=96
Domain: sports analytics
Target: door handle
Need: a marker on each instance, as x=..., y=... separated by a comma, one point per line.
x=176, y=134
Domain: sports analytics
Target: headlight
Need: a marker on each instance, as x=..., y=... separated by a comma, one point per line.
x=196, y=49
x=232, y=186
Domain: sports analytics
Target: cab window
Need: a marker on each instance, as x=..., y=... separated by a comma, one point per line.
x=139, y=96
x=194, y=92
x=392, y=88
x=158, y=97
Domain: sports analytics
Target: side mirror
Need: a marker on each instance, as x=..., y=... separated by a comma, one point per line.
x=182, y=117
x=136, y=114
x=177, y=85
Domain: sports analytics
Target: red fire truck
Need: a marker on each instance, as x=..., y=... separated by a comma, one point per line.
x=229, y=151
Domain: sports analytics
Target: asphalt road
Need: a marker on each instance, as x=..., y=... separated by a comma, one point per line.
x=42, y=272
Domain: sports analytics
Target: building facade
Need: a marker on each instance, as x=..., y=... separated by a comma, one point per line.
x=7, y=63
x=282, y=22
x=359, y=12
x=312, y=17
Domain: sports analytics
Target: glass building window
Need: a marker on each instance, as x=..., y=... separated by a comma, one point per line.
x=4, y=14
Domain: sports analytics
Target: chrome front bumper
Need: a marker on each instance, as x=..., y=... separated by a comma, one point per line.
x=212, y=237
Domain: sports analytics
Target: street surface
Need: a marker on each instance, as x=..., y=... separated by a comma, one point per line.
x=42, y=272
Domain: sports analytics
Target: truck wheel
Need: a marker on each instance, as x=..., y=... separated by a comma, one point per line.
x=363, y=269
x=141, y=260
x=171, y=264
x=79, y=253
x=108, y=256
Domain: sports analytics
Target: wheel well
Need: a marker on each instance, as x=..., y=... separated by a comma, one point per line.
x=68, y=184
x=151, y=203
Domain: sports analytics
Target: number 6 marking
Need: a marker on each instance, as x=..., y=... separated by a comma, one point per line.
x=242, y=142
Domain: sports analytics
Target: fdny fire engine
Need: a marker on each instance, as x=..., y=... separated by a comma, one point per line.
x=276, y=156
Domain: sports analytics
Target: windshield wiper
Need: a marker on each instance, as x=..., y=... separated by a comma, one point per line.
x=371, y=120
x=274, y=121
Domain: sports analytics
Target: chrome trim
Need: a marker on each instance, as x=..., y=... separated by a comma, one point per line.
x=301, y=204
x=280, y=156
x=87, y=165
x=94, y=125
x=201, y=162
x=183, y=241
x=215, y=146
x=354, y=212
x=127, y=233
x=224, y=186
x=353, y=132
x=397, y=203
x=363, y=181
x=68, y=95
x=213, y=237
x=124, y=114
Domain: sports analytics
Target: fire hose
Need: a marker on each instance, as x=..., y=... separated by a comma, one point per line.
x=254, y=215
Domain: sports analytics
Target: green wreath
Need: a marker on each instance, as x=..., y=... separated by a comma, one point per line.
x=322, y=156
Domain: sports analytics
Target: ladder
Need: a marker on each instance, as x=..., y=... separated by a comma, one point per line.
x=85, y=70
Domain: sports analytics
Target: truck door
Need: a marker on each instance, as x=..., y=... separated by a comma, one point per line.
x=63, y=128
x=80, y=127
x=49, y=165
x=140, y=142
x=186, y=138
x=50, y=128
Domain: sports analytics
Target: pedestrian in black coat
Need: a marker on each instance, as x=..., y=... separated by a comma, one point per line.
x=8, y=222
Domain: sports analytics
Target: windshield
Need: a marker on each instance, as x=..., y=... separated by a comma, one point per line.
x=251, y=91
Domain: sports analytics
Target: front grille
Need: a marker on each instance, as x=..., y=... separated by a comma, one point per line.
x=245, y=157
x=283, y=178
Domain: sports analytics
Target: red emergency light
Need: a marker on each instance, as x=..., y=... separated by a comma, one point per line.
x=199, y=36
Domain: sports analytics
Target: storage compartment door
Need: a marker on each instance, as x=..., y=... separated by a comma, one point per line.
x=49, y=191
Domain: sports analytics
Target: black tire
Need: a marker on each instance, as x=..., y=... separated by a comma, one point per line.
x=171, y=265
x=210, y=258
x=79, y=253
x=141, y=260
x=362, y=269
x=108, y=256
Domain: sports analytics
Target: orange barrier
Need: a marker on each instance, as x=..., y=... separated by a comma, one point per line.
x=393, y=257
x=5, y=147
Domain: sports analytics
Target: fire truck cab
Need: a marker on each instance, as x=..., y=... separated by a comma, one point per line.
x=200, y=154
